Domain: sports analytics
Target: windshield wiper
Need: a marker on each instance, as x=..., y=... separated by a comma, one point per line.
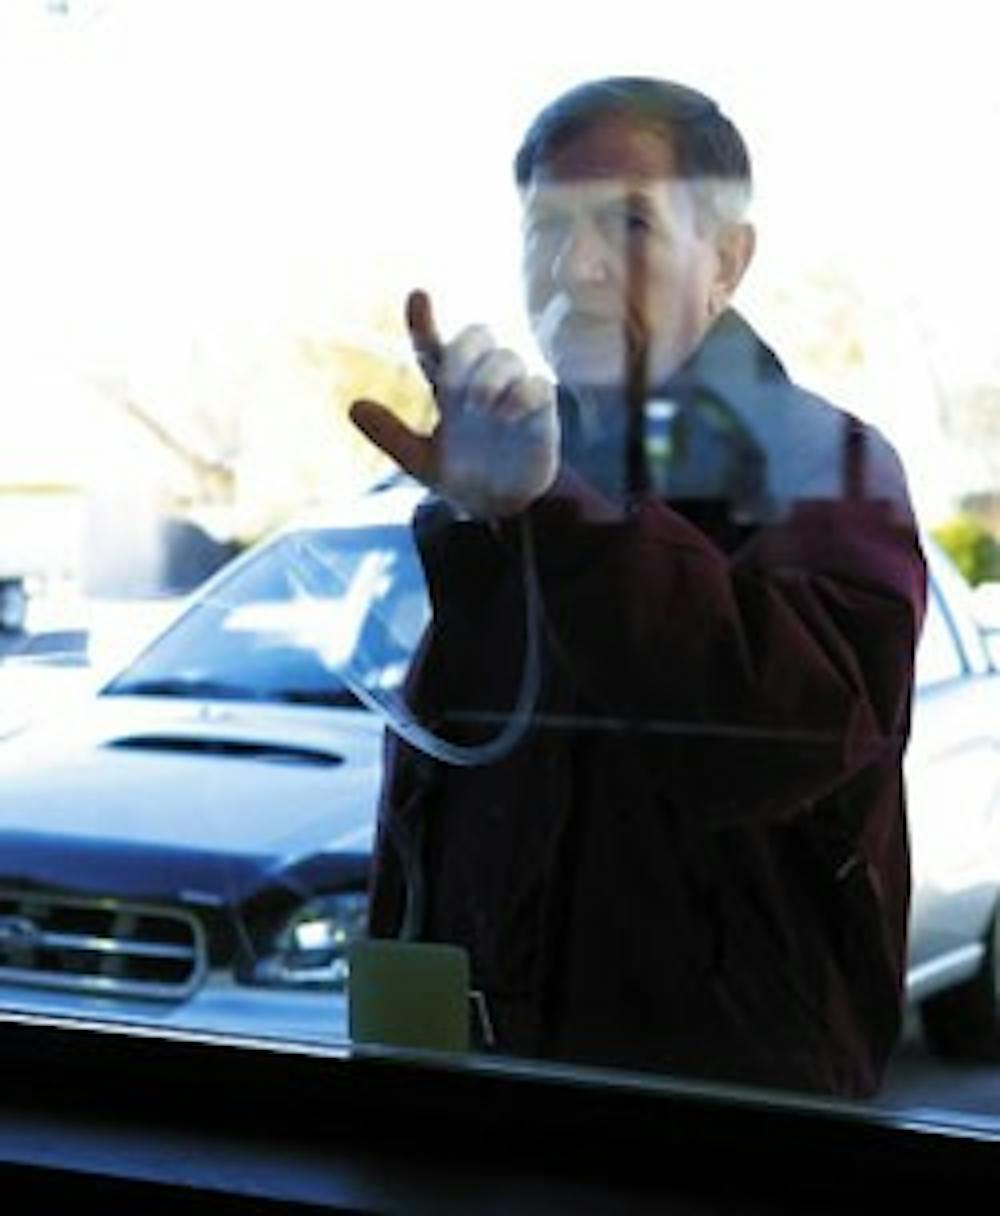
x=177, y=686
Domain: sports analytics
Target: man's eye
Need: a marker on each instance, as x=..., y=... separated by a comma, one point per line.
x=542, y=227
x=638, y=223
x=627, y=224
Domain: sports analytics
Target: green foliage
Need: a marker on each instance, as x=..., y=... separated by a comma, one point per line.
x=972, y=547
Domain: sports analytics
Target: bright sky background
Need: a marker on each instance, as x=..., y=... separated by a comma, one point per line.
x=188, y=177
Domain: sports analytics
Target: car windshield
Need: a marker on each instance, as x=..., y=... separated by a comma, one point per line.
x=308, y=619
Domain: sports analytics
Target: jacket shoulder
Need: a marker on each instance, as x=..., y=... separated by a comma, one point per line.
x=818, y=451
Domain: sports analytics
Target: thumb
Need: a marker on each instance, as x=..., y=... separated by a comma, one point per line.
x=411, y=451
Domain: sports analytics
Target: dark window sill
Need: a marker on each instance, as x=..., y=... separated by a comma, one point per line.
x=199, y=1124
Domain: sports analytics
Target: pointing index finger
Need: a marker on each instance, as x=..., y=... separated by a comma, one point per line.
x=424, y=335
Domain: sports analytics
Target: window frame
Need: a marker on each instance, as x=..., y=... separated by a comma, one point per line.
x=354, y=1130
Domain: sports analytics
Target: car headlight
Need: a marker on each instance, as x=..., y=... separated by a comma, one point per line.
x=310, y=948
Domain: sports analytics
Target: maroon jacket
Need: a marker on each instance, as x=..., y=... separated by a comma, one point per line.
x=695, y=860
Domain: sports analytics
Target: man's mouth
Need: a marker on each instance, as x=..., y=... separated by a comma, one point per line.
x=563, y=315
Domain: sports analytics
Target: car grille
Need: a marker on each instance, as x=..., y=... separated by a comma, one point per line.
x=100, y=946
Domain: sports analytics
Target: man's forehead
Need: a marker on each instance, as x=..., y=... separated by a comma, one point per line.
x=589, y=194
x=611, y=158
x=611, y=148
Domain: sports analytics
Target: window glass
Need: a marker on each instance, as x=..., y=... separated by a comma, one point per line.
x=960, y=607
x=462, y=576
x=272, y=632
x=938, y=657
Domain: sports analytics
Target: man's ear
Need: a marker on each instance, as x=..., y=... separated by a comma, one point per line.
x=734, y=247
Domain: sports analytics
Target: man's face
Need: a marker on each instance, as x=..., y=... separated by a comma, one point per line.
x=614, y=258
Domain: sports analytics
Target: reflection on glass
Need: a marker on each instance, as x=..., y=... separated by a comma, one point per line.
x=675, y=597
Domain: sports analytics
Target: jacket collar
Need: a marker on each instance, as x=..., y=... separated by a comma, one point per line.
x=733, y=372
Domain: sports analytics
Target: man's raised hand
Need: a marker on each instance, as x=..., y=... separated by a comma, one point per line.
x=495, y=446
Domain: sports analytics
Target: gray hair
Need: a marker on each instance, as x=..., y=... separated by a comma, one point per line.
x=709, y=151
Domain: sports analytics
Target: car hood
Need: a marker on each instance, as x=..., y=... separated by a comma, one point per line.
x=151, y=796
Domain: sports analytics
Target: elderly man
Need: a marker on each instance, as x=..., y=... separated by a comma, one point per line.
x=694, y=859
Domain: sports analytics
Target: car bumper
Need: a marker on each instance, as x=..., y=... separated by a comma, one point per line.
x=219, y=1007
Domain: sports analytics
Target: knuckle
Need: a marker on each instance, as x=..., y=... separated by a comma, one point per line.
x=473, y=340
x=462, y=355
x=500, y=368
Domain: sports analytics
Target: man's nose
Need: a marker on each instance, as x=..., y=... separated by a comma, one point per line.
x=580, y=259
